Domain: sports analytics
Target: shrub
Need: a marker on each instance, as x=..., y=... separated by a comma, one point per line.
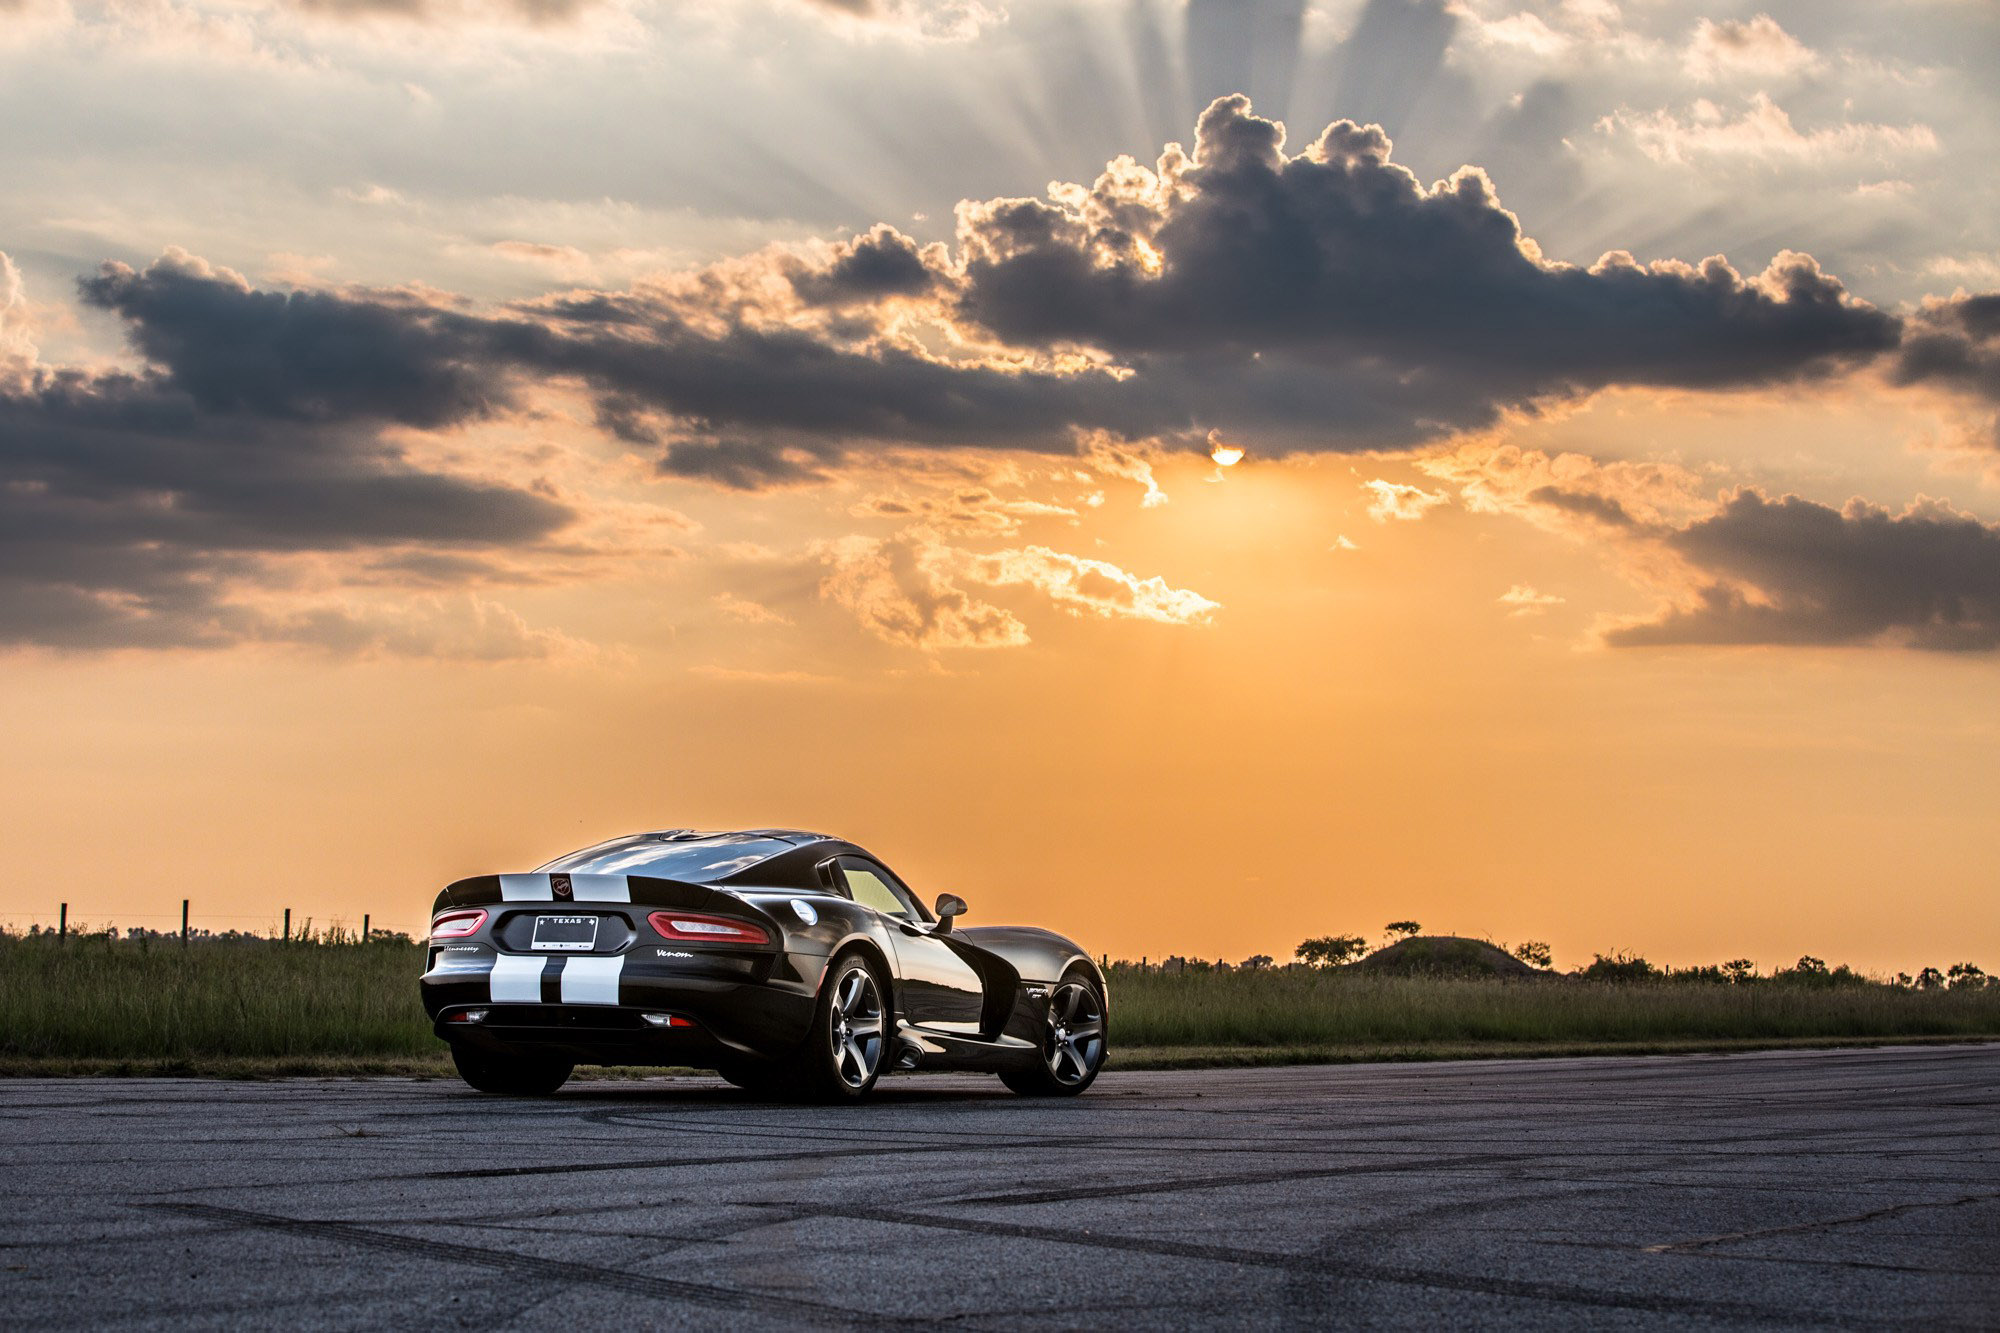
x=1330, y=950
x=1535, y=954
x=1620, y=966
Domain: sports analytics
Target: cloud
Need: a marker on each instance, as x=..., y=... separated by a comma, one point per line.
x=749, y=612
x=1791, y=571
x=1754, y=47
x=1954, y=343
x=1323, y=301
x=559, y=258
x=1394, y=500
x=149, y=508
x=1570, y=493
x=1084, y=586
x=911, y=590
x=1523, y=600
x=902, y=590
x=302, y=355
x=1331, y=300
x=934, y=20
x=461, y=628
x=1762, y=135
x=972, y=510
x=17, y=345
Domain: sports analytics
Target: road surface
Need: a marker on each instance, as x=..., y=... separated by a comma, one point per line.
x=1825, y=1188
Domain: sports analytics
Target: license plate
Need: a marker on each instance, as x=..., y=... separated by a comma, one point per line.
x=576, y=934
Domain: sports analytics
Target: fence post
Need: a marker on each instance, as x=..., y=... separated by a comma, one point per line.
x=364, y=927
x=62, y=923
x=288, y=925
x=184, y=921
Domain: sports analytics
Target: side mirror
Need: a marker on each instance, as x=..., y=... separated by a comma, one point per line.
x=949, y=905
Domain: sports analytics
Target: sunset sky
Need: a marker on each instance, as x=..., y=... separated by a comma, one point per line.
x=438, y=434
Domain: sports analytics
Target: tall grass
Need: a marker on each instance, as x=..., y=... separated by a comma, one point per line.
x=214, y=1001
x=1307, y=1007
x=100, y=998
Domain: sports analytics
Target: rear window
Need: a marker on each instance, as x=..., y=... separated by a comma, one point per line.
x=644, y=854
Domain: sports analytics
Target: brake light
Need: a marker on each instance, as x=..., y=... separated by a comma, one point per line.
x=708, y=929
x=457, y=925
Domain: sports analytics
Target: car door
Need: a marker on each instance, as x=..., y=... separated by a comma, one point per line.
x=937, y=989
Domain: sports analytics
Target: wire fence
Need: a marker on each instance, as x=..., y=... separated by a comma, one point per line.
x=282, y=923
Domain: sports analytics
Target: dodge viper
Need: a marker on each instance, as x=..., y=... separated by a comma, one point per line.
x=791, y=963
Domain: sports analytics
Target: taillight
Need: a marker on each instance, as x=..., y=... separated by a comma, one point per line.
x=457, y=925
x=708, y=929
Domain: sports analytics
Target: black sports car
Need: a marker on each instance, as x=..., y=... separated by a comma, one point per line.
x=792, y=963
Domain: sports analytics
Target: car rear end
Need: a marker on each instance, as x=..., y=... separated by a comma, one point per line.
x=611, y=969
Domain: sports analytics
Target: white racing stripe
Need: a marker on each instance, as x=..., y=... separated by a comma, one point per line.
x=517, y=978
x=591, y=980
x=600, y=889
x=526, y=889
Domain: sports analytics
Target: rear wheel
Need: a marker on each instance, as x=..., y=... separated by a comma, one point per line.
x=844, y=1055
x=511, y=1075
x=1073, y=1044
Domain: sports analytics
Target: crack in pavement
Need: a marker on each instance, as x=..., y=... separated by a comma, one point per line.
x=1699, y=1242
x=1312, y=1265
x=1252, y=1178
x=559, y=1271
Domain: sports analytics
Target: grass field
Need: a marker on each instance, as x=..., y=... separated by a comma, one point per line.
x=261, y=1007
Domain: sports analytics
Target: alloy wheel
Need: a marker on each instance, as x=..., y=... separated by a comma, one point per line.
x=856, y=1027
x=1075, y=1042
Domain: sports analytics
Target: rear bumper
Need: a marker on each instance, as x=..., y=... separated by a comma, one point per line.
x=740, y=1008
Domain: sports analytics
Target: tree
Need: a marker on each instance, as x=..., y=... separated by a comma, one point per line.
x=1965, y=975
x=1810, y=966
x=1330, y=950
x=1929, y=979
x=1402, y=930
x=1535, y=954
x=1256, y=962
x=1739, y=970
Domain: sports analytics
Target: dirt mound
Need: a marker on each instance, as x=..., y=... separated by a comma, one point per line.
x=1444, y=956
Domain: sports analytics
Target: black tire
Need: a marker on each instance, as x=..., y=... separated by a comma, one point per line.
x=511, y=1075
x=848, y=1046
x=1074, y=1044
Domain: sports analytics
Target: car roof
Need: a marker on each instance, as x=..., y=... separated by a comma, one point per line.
x=707, y=856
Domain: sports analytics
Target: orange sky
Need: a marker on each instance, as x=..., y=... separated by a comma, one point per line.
x=1357, y=736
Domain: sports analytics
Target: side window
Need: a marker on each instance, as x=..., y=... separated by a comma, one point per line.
x=868, y=885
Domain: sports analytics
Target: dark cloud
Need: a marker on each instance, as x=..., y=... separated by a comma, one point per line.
x=1584, y=504
x=135, y=509
x=882, y=264
x=1339, y=258
x=1956, y=344
x=1794, y=572
x=745, y=465
x=302, y=356
x=1327, y=301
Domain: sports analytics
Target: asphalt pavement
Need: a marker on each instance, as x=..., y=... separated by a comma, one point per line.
x=1808, y=1189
